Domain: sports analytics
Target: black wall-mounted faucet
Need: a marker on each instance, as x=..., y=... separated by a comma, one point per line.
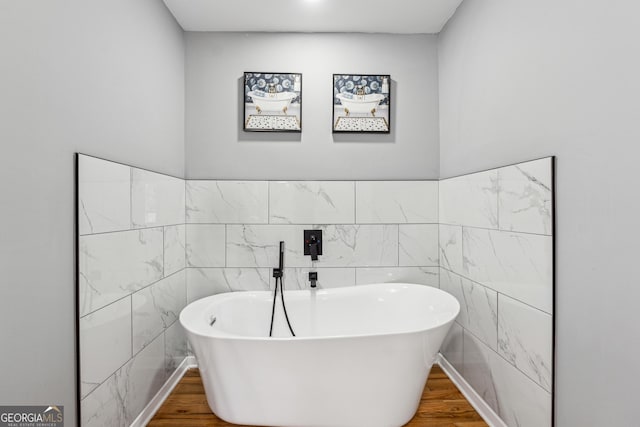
x=313, y=243
x=313, y=278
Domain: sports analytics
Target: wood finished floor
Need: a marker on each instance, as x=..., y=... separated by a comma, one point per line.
x=442, y=405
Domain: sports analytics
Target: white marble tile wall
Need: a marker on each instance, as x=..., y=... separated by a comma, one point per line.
x=114, y=265
x=104, y=196
x=478, y=306
x=418, y=245
x=422, y=275
x=132, y=286
x=119, y=399
x=524, y=334
x=496, y=257
x=372, y=231
x=205, y=245
x=227, y=202
x=105, y=340
x=470, y=200
x=343, y=245
x=157, y=307
x=516, y=264
x=175, y=241
x=401, y=202
x=525, y=196
x=312, y=202
x=149, y=244
x=156, y=199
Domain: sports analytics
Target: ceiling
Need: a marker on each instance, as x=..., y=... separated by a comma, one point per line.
x=359, y=16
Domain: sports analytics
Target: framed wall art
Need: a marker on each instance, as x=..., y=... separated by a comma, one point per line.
x=361, y=103
x=272, y=102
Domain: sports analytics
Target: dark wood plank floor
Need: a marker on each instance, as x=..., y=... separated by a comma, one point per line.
x=442, y=405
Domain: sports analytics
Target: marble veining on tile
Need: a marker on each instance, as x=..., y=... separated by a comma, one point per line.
x=156, y=199
x=143, y=377
x=205, y=245
x=478, y=306
x=520, y=401
x=156, y=307
x=470, y=200
x=343, y=245
x=119, y=400
x=400, y=202
x=453, y=346
x=525, y=339
x=359, y=246
x=105, y=406
x=450, y=247
x=203, y=282
x=258, y=245
x=516, y=264
x=104, y=201
x=525, y=197
x=420, y=275
x=175, y=347
x=311, y=202
x=174, y=248
x=477, y=370
x=114, y=265
x=418, y=245
x=298, y=278
x=227, y=202
x=105, y=343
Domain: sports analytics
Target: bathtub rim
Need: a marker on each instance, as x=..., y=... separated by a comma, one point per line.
x=273, y=99
x=379, y=97
x=222, y=335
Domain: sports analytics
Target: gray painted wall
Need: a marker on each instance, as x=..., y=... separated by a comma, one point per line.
x=217, y=147
x=105, y=78
x=521, y=80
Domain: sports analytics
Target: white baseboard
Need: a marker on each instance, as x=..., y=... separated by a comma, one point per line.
x=483, y=409
x=152, y=407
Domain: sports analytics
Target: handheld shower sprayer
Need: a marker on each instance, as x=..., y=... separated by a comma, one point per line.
x=277, y=274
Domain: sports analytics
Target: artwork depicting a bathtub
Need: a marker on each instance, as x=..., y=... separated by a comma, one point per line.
x=361, y=103
x=273, y=102
x=360, y=357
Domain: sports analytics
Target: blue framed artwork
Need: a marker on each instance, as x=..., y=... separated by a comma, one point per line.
x=361, y=103
x=272, y=102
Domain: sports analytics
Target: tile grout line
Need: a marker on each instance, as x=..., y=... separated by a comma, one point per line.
x=496, y=229
x=498, y=200
x=524, y=374
x=133, y=229
x=131, y=226
x=130, y=296
x=498, y=292
x=132, y=292
x=164, y=269
x=355, y=202
x=268, y=202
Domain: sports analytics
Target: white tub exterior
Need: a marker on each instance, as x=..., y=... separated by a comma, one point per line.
x=272, y=101
x=360, y=103
x=361, y=356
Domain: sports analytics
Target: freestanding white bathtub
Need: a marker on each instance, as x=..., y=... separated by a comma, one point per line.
x=360, y=103
x=264, y=101
x=361, y=355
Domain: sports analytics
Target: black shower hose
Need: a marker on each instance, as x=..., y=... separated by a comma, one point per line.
x=273, y=307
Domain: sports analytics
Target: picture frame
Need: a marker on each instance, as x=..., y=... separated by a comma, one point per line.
x=272, y=102
x=361, y=103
